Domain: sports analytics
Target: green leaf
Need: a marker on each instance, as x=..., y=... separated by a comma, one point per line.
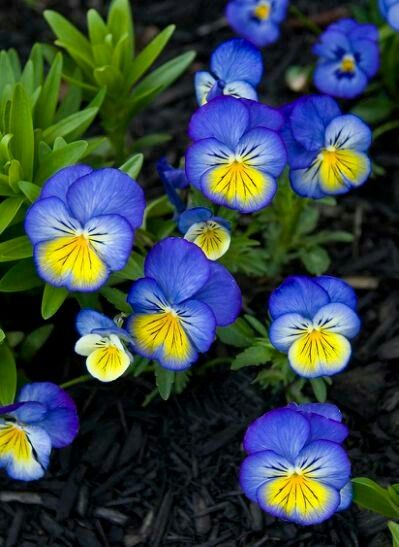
x=260, y=354
x=182, y=379
x=70, y=102
x=148, y=141
x=48, y=99
x=110, y=77
x=374, y=109
x=117, y=298
x=68, y=155
x=164, y=381
x=138, y=102
x=30, y=190
x=120, y=24
x=133, y=165
x=8, y=209
x=239, y=334
x=2, y=336
x=15, y=249
x=21, y=276
x=97, y=27
x=257, y=325
x=21, y=126
x=133, y=270
x=34, y=341
x=166, y=74
x=69, y=35
x=77, y=122
x=96, y=102
x=7, y=75
x=149, y=54
x=370, y=495
x=53, y=298
x=27, y=78
x=36, y=56
x=308, y=220
x=394, y=529
x=315, y=260
x=8, y=375
x=319, y=389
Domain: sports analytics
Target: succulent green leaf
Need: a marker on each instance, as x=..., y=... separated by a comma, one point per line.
x=47, y=102
x=68, y=155
x=8, y=209
x=146, y=58
x=15, y=249
x=21, y=126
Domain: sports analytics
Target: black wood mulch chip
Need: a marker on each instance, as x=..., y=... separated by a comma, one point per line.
x=166, y=475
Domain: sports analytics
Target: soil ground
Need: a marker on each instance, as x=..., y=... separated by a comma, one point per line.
x=166, y=475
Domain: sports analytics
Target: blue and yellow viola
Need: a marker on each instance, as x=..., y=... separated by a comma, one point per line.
x=313, y=321
x=296, y=468
x=82, y=226
x=179, y=303
x=327, y=151
x=237, y=153
x=43, y=417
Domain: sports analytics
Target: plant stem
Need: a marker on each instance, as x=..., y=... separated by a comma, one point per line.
x=289, y=216
x=76, y=381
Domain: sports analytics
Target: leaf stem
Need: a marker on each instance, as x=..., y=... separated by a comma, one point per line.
x=76, y=381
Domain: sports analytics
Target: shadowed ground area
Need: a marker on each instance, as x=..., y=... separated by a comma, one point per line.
x=166, y=475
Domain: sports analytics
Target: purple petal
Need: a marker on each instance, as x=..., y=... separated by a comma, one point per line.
x=179, y=267
x=222, y=294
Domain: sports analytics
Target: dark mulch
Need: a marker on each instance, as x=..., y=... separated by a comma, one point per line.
x=167, y=474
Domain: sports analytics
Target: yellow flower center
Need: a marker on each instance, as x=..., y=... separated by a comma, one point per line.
x=329, y=156
x=262, y=11
x=348, y=64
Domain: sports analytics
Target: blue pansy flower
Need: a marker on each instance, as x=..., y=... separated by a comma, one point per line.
x=313, y=321
x=104, y=343
x=296, y=468
x=82, y=226
x=257, y=20
x=236, y=69
x=390, y=11
x=179, y=303
x=210, y=233
x=173, y=179
x=327, y=151
x=237, y=153
x=43, y=417
x=348, y=58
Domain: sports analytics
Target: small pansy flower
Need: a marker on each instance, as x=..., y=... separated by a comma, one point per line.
x=236, y=69
x=327, y=151
x=390, y=11
x=179, y=303
x=348, y=58
x=237, y=153
x=313, y=321
x=104, y=344
x=210, y=233
x=173, y=179
x=43, y=417
x=296, y=468
x=257, y=20
x=82, y=226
